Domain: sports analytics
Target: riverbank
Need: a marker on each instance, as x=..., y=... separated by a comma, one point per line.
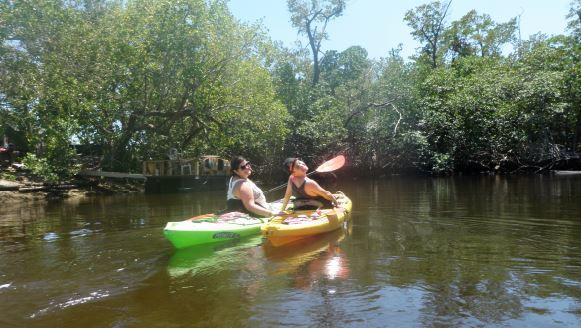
x=17, y=184
x=22, y=187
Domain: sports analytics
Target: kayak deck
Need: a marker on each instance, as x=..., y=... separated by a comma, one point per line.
x=214, y=228
x=301, y=224
x=211, y=228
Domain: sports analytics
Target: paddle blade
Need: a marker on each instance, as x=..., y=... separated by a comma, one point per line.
x=332, y=164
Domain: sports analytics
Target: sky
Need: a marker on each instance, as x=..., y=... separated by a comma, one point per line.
x=378, y=25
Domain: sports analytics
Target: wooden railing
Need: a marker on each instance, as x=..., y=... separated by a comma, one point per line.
x=206, y=166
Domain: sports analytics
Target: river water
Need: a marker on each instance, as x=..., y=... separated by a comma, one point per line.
x=459, y=251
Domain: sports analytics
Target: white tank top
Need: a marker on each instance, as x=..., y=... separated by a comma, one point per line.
x=259, y=197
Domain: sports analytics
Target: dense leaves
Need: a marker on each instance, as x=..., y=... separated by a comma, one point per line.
x=139, y=78
x=136, y=78
x=311, y=17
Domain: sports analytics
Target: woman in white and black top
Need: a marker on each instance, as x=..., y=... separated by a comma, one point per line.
x=243, y=195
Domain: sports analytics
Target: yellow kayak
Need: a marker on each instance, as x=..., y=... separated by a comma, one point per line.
x=301, y=224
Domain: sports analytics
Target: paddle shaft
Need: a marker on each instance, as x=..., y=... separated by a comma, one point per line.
x=329, y=166
x=284, y=185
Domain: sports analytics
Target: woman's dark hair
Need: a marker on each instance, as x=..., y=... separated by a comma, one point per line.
x=235, y=163
x=289, y=162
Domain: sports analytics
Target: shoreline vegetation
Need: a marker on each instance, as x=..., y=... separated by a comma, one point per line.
x=19, y=184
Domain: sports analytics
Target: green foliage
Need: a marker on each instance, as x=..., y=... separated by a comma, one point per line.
x=51, y=170
x=478, y=35
x=322, y=133
x=138, y=78
x=311, y=19
x=482, y=111
x=7, y=176
x=428, y=24
x=40, y=167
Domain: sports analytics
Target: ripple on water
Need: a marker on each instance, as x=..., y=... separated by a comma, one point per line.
x=70, y=302
x=6, y=285
x=81, y=232
x=50, y=236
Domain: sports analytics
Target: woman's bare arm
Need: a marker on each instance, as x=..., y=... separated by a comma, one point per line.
x=287, y=195
x=247, y=197
x=313, y=188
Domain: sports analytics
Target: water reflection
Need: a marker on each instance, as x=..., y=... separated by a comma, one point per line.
x=463, y=251
x=311, y=259
x=209, y=259
x=476, y=253
x=31, y=221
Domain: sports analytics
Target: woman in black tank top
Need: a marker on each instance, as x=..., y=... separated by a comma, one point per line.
x=305, y=189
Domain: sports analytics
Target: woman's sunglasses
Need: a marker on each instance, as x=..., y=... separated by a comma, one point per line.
x=245, y=166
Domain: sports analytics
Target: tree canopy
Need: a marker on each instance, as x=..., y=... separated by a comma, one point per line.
x=138, y=78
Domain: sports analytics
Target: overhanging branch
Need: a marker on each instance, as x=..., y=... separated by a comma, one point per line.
x=386, y=104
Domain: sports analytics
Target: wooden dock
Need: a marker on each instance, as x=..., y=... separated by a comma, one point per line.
x=107, y=174
x=208, y=172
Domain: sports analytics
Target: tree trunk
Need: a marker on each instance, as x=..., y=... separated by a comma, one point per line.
x=119, y=152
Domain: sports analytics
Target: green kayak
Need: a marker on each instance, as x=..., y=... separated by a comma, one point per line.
x=212, y=228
